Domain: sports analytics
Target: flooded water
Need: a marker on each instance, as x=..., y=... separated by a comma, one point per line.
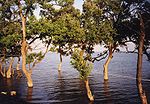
x=52, y=87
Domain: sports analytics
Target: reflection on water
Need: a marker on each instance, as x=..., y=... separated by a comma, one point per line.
x=29, y=93
x=107, y=92
x=9, y=84
x=65, y=87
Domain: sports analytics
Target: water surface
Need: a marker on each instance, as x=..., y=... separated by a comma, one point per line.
x=52, y=87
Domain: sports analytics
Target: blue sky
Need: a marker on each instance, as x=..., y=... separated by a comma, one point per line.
x=78, y=4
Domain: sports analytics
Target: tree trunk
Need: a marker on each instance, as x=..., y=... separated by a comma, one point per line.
x=105, y=72
x=1, y=66
x=19, y=74
x=24, y=48
x=1, y=71
x=3, y=61
x=59, y=66
x=4, y=74
x=18, y=64
x=89, y=94
x=8, y=73
x=27, y=74
x=139, y=64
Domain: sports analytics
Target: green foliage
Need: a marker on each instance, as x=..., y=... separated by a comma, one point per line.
x=128, y=25
x=67, y=30
x=10, y=40
x=39, y=29
x=53, y=49
x=10, y=23
x=108, y=32
x=32, y=57
x=97, y=22
x=83, y=66
x=65, y=2
x=65, y=27
x=91, y=13
x=10, y=29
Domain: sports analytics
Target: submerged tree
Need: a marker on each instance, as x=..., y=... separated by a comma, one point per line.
x=40, y=30
x=66, y=32
x=9, y=35
x=84, y=68
x=128, y=26
x=139, y=63
x=65, y=26
x=25, y=8
x=110, y=39
x=34, y=58
x=135, y=27
x=98, y=25
x=10, y=45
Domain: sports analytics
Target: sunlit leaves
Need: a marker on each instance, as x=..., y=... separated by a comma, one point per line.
x=83, y=66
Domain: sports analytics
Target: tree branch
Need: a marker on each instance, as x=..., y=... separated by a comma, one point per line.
x=100, y=56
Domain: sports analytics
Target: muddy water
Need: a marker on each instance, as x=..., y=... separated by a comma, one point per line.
x=52, y=87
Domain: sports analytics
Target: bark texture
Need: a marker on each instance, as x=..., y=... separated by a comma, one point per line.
x=2, y=71
x=105, y=72
x=139, y=64
x=19, y=74
x=18, y=66
x=27, y=74
x=8, y=74
x=89, y=93
x=24, y=48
